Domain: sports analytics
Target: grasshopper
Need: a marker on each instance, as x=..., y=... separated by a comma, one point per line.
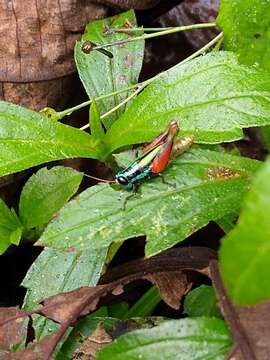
x=155, y=158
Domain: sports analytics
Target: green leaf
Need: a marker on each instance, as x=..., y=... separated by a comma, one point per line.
x=28, y=138
x=227, y=222
x=145, y=305
x=10, y=227
x=95, y=123
x=202, y=185
x=45, y=193
x=57, y=271
x=118, y=310
x=101, y=75
x=202, y=301
x=246, y=27
x=185, y=339
x=211, y=97
x=265, y=134
x=244, y=254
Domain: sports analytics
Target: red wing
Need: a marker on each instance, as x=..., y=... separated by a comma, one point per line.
x=171, y=131
x=157, y=141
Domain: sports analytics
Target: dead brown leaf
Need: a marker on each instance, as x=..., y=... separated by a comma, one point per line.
x=250, y=325
x=37, y=39
x=36, y=47
x=14, y=332
x=92, y=344
x=172, y=286
x=60, y=308
x=165, y=269
x=255, y=321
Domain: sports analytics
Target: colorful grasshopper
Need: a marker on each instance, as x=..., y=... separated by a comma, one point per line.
x=155, y=158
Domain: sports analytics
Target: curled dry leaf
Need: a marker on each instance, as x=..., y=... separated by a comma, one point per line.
x=160, y=270
x=37, y=44
x=67, y=308
x=249, y=324
x=12, y=332
x=93, y=344
x=60, y=308
x=36, y=49
x=171, y=286
x=255, y=323
x=36, y=351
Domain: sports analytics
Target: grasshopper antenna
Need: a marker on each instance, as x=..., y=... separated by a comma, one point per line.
x=99, y=179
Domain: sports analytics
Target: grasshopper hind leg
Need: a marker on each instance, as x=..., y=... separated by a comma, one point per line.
x=166, y=182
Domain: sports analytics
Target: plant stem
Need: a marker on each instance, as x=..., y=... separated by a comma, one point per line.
x=69, y=111
x=134, y=29
x=192, y=56
x=138, y=86
x=117, y=106
x=156, y=34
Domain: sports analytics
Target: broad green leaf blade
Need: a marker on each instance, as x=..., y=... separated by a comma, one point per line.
x=201, y=185
x=202, y=301
x=97, y=130
x=118, y=310
x=28, y=138
x=57, y=271
x=101, y=75
x=245, y=254
x=246, y=27
x=227, y=223
x=265, y=134
x=211, y=97
x=10, y=227
x=45, y=193
x=185, y=339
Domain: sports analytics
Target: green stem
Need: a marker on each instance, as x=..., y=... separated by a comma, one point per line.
x=117, y=106
x=139, y=86
x=156, y=34
x=69, y=111
x=192, y=56
x=135, y=29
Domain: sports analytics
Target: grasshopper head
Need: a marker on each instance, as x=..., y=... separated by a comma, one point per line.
x=122, y=180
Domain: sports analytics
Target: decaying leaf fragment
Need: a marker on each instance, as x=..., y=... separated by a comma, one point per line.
x=12, y=332
x=249, y=325
x=67, y=308
x=92, y=344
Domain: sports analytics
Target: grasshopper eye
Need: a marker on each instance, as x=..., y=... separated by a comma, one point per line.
x=122, y=180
